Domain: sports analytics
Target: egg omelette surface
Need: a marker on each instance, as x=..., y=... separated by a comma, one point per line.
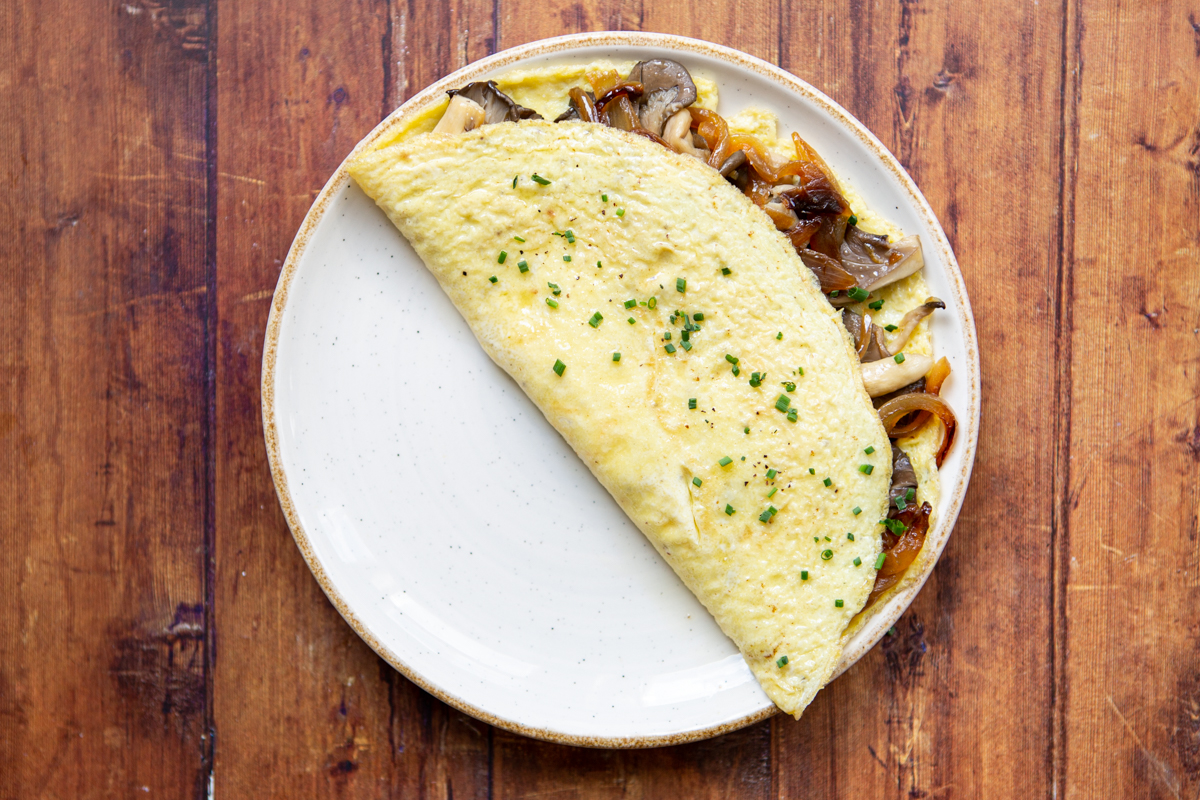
x=770, y=520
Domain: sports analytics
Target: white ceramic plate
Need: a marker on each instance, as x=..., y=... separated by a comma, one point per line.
x=450, y=524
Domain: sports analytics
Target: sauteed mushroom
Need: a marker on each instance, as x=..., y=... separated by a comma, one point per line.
x=666, y=88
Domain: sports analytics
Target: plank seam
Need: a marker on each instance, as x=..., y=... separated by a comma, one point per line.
x=208, y=434
x=1060, y=513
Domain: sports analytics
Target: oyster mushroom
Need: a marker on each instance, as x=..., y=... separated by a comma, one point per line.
x=496, y=105
x=885, y=375
x=678, y=134
x=912, y=319
x=666, y=88
x=463, y=114
x=874, y=261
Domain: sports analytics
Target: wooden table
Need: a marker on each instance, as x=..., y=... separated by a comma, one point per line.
x=160, y=635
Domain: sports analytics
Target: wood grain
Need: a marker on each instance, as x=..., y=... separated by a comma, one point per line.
x=301, y=706
x=930, y=712
x=158, y=158
x=1132, y=500
x=103, y=421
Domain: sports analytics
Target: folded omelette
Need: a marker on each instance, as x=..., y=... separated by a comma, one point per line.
x=677, y=342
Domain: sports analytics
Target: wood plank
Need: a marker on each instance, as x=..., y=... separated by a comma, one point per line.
x=958, y=703
x=302, y=706
x=1132, y=499
x=102, y=412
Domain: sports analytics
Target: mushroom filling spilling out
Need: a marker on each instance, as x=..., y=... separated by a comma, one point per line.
x=803, y=199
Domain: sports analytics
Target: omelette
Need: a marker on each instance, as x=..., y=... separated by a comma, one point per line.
x=672, y=335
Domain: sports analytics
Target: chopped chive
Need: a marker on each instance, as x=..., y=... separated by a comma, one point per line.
x=726, y=271
x=889, y=328
x=782, y=662
x=858, y=294
x=756, y=379
x=771, y=493
x=828, y=482
x=554, y=288
x=878, y=304
x=779, y=336
x=899, y=358
x=745, y=430
x=570, y=237
x=685, y=335
x=879, y=563
x=686, y=346
x=782, y=402
x=539, y=179
x=866, y=469
x=812, y=471
x=765, y=516
x=566, y=258
x=910, y=494
x=616, y=356
x=667, y=336
x=630, y=303
x=803, y=574
x=681, y=285
x=894, y=525
x=731, y=359
x=826, y=555
x=801, y=370
x=729, y=509
x=850, y=536
x=493, y=279
x=771, y=473
x=857, y=561
x=853, y=220
x=828, y=539
x=725, y=461
x=515, y=180
x=838, y=603
x=596, y=319
x=792, y=415
x=599, y=265
x=604, y=198
x=523, y=265
x=670, y=348
x=737, y=371
x=856, y=511
x=502, y=257
x=892, y=631
x=620, y=212
x=631, y=320
x=698, y=316
x=559, y=367
x=550, y=301
x=696, y=482
x=870, y=449
x=692, y=403
x=652, y=302
x=788, y=386
x=834, y=293
x=816, y=538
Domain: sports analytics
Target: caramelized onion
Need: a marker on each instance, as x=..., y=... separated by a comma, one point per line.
x=583, y=105
x=937, y=376
x=893, y=411
x=901, y=551
x=602, y=80
x=630, y=90
x=715, y=133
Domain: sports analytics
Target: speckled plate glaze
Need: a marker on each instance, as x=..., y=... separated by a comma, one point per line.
x=448, y=522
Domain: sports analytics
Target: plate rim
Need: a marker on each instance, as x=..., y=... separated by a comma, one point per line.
x=867, y=636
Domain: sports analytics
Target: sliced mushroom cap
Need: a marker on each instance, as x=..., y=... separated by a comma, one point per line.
x=667, y=87
x=497, y=106
x=735, y=160
x=885, y=375
x=460, y=116
x=874, y=261
x=904, y=477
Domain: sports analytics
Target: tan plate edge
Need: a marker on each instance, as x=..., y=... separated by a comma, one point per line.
x=873, y=630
